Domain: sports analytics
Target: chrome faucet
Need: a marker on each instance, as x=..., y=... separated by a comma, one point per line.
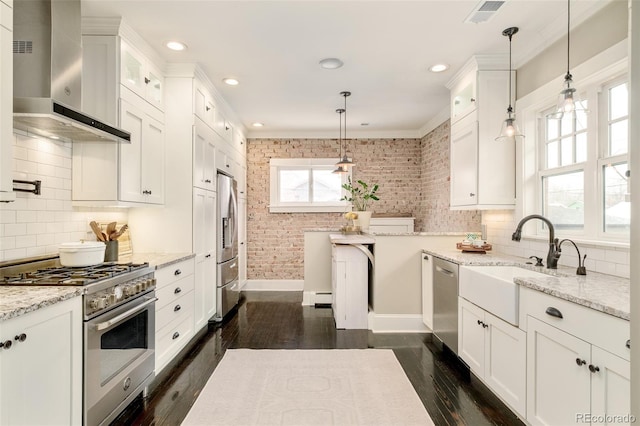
x=581, y=269
x=554, y=248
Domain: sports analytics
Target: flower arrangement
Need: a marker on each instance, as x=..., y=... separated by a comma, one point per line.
x=360, y=194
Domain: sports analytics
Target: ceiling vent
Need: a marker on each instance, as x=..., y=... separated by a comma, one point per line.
x=484, y=11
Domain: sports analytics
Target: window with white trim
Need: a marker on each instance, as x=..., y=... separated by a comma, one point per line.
x=583, y=178
x=306, y=185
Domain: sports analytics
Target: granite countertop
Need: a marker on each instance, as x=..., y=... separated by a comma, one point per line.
x=19, y=300
x=351, y=239
x=605, y=293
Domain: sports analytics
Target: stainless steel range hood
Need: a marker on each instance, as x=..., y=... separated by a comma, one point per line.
x=47, y=74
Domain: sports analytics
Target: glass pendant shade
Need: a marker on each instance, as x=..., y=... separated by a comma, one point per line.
x=510, y=130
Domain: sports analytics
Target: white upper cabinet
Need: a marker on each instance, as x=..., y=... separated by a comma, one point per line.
x=203, y=105
x=6, y=102
x=140, y=75
x=482, y=169
x=123, y=87
x=204, y=160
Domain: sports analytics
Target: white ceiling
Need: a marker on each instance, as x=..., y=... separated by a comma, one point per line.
x=273, y=48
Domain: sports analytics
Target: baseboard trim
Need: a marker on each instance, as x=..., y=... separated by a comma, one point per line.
x=311, y=298
x=273, y=285
x=396, y=323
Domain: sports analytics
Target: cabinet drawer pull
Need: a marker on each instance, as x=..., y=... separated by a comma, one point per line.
x=6, y=344
x=207, y=181
x=177, y=290
x=628, y=344
x=207, y=256
x=554, y=312
x=21, y=337
x=146, y=80
x=580, y=362
x=177, y=272
x=177, y=308
x=594, y=368
x=175, y=335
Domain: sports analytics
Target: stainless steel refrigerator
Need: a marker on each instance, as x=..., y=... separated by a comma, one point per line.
x=228, y=291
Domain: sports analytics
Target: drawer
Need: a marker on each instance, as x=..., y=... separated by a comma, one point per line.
x=173, y=272
x=180, y=306
x=600, y=329
x=171, y=339
x=174, y=290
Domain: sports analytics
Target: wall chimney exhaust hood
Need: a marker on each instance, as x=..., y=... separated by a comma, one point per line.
x=47, y=73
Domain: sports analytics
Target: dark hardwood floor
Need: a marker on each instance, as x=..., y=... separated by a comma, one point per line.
x=277, y=320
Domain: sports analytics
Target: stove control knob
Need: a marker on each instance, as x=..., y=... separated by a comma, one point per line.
x=139, y=286
x=151, y=282
x=116, y=293
x=98, y=302
x=129, y=290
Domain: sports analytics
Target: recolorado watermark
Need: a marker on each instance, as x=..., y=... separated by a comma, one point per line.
x=605, y=418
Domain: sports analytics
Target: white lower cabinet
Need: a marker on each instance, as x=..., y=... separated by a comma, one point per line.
x=427, y=290
x=571, y=381
x=495, y=351
x=42, y=369
x=578, y=369
x=174, y=310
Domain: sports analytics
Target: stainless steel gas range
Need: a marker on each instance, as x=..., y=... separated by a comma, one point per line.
x=119, y=327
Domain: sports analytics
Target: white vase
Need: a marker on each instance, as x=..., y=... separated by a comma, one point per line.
x=364, y=217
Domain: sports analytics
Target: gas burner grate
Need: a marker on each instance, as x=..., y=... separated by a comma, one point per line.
x=79, y=276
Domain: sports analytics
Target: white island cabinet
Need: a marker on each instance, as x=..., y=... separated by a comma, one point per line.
x=41, y=366
x=350, y=258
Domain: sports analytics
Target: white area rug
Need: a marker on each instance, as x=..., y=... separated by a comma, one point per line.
x=308, y=387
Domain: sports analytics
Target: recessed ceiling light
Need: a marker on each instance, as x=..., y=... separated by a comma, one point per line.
x=439, y=68
x=258, y=124
x=331, y=63
x=231, y=81
x=176, y=45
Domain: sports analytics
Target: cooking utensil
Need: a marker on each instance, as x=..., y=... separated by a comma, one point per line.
x=117, y=234
x=96, y=230
x=111, y=227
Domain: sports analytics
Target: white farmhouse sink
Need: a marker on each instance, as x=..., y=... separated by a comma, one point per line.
x=492, y=288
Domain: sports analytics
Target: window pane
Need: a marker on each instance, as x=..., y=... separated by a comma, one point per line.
x=552, y=155
x=552, y=128
x=294, y=186
x=326, y=186
x=566, y=156
x=581, y=147
x=567, y=124
x=619, y=137
x=564, y=200
x=618, y=101
x=581, y=117
x=617, y=217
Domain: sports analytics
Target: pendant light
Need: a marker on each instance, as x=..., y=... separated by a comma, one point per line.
x=568, y=102
x=509, y=131
x=345, y=162
x=339, y=168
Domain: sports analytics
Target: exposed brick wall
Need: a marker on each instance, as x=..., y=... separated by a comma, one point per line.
x=433, y=214
x=275, y=241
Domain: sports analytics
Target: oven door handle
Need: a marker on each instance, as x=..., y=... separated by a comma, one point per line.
x=115, y=320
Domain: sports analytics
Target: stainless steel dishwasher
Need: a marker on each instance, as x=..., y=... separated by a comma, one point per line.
x=445, y=302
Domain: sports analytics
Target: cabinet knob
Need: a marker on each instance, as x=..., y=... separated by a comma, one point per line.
x=472, y=99
x=177, y=290
x=175, y=335
x=207, y=108
x=580, y=362
x=177, y=308
x=207, y=181
x=594, y=368
x=628, y=344
x=554, y=312
x=21, y=337
x=6, y=344
x=426, y=257
x=471, y=194
x=146, y=80
x=177, y=272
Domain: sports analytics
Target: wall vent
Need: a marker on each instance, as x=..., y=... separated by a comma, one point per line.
x=484, y=11
x=22, y=46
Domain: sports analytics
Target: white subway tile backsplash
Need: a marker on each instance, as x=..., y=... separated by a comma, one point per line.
x=616, y=256
x=35, y=225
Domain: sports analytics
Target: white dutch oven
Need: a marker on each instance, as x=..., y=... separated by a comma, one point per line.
x=82, y=253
